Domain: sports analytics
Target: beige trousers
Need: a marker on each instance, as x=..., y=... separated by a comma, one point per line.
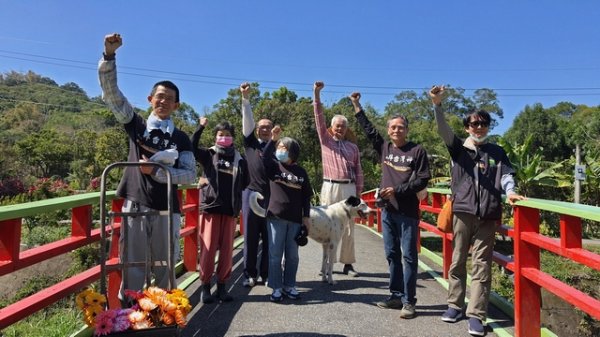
x=480, y=234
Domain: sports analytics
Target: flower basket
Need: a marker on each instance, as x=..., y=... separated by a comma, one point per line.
x=165, y=331
x=156, y=312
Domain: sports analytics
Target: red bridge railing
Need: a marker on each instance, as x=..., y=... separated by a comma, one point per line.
x=525, y=262
x=528, y=243
x=83, y=233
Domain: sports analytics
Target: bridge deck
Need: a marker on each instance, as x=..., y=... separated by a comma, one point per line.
x=344, y=309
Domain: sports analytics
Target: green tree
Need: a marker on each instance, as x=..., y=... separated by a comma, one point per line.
x=47, y=152
x=548, y=127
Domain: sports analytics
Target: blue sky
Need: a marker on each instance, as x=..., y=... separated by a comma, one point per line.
x=528, y=51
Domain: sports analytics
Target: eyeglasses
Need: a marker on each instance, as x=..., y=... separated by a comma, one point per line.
x=477, y=124
x=166, y=98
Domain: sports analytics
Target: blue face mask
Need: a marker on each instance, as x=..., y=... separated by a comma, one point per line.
x=282, y=156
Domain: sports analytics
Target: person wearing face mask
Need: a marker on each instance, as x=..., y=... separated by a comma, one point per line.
x=480, y=172
x=288, y=210
x=144, y=188
x=226, y=174
x=342, y=172
x=404, y=173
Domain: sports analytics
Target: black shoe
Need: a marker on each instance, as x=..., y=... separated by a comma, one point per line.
x=349, y=270
x=222, y=293
x=205, y=295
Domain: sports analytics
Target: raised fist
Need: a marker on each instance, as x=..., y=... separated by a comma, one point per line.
x=318, y=85
x=203, y=121
x=276, y=132
x=112, y=42
x=355, y=97
x=436, y=93
x=245, y=89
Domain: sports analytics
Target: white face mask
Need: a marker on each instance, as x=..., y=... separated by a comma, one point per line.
x=477, y=139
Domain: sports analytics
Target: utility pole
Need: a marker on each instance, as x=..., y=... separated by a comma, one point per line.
x=579, y=174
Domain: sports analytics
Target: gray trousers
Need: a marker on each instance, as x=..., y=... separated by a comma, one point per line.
x=141, y=229
x=480, y=234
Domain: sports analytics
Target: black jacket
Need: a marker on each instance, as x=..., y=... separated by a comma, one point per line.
x=476, y=176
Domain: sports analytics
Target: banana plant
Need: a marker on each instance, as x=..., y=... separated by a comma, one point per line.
x=531, y=168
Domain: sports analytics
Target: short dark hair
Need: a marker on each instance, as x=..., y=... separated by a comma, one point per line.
x=225, y=125
x=168, y=85
x=482, y=114
x=293, y=147
x=404, y=118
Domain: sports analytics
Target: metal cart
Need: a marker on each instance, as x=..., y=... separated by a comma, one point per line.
x=166, y=331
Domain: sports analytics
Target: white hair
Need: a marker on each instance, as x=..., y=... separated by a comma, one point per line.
x=340, y=117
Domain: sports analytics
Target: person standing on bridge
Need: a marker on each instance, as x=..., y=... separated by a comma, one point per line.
x=405, y=172
x=289, y=209
x=342, y=172
x=480, y=172
x=226, y=173
x=255, y=227
x=145, y=189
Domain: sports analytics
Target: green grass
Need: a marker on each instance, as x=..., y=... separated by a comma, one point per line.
x=54, y=321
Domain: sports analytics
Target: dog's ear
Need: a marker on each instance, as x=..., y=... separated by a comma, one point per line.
x=353, y=201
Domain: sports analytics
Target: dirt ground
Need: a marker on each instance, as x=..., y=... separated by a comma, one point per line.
x=10, y=283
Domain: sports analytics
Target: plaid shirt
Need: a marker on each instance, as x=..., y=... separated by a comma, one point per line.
x=185, y=172
x=341, y=158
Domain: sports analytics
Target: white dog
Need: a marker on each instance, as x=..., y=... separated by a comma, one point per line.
x=327, y=225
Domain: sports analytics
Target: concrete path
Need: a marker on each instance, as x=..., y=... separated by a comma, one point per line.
x=344, y=309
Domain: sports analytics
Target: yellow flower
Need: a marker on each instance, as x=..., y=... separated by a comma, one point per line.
x=94, y=298
x=90, y=312
x=80, y=298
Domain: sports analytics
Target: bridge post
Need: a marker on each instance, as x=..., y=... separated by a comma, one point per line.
x=570, y=231
x=527, y=256
x=81, y=221
x=10, y=241
x=192, y=219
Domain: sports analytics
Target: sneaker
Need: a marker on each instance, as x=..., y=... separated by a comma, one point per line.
x=249, y=282
x=408, y=311
x=476, y=327
x=291, y=293
x=276, y=295
x=393, y=302
x=452, y=315
x=349, y=270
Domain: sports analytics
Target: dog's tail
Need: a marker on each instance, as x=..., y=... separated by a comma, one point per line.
x=254, y=205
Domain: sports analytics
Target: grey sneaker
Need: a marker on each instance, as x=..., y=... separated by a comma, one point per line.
x=408, y=311
x=392, y=302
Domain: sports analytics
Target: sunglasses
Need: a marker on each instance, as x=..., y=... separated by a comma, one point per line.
x=477, y=124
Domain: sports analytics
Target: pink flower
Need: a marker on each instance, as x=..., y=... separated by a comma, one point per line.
x=104, y=323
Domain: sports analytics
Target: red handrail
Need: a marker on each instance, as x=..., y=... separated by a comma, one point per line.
x=525, y=262
x=82, y=234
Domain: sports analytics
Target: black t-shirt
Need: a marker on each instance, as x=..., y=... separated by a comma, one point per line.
x=290, y=188
x=405, y=168
x=139, y=187
x=256, y=169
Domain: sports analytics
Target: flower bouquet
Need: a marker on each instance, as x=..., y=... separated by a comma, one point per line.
x=156, y=312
